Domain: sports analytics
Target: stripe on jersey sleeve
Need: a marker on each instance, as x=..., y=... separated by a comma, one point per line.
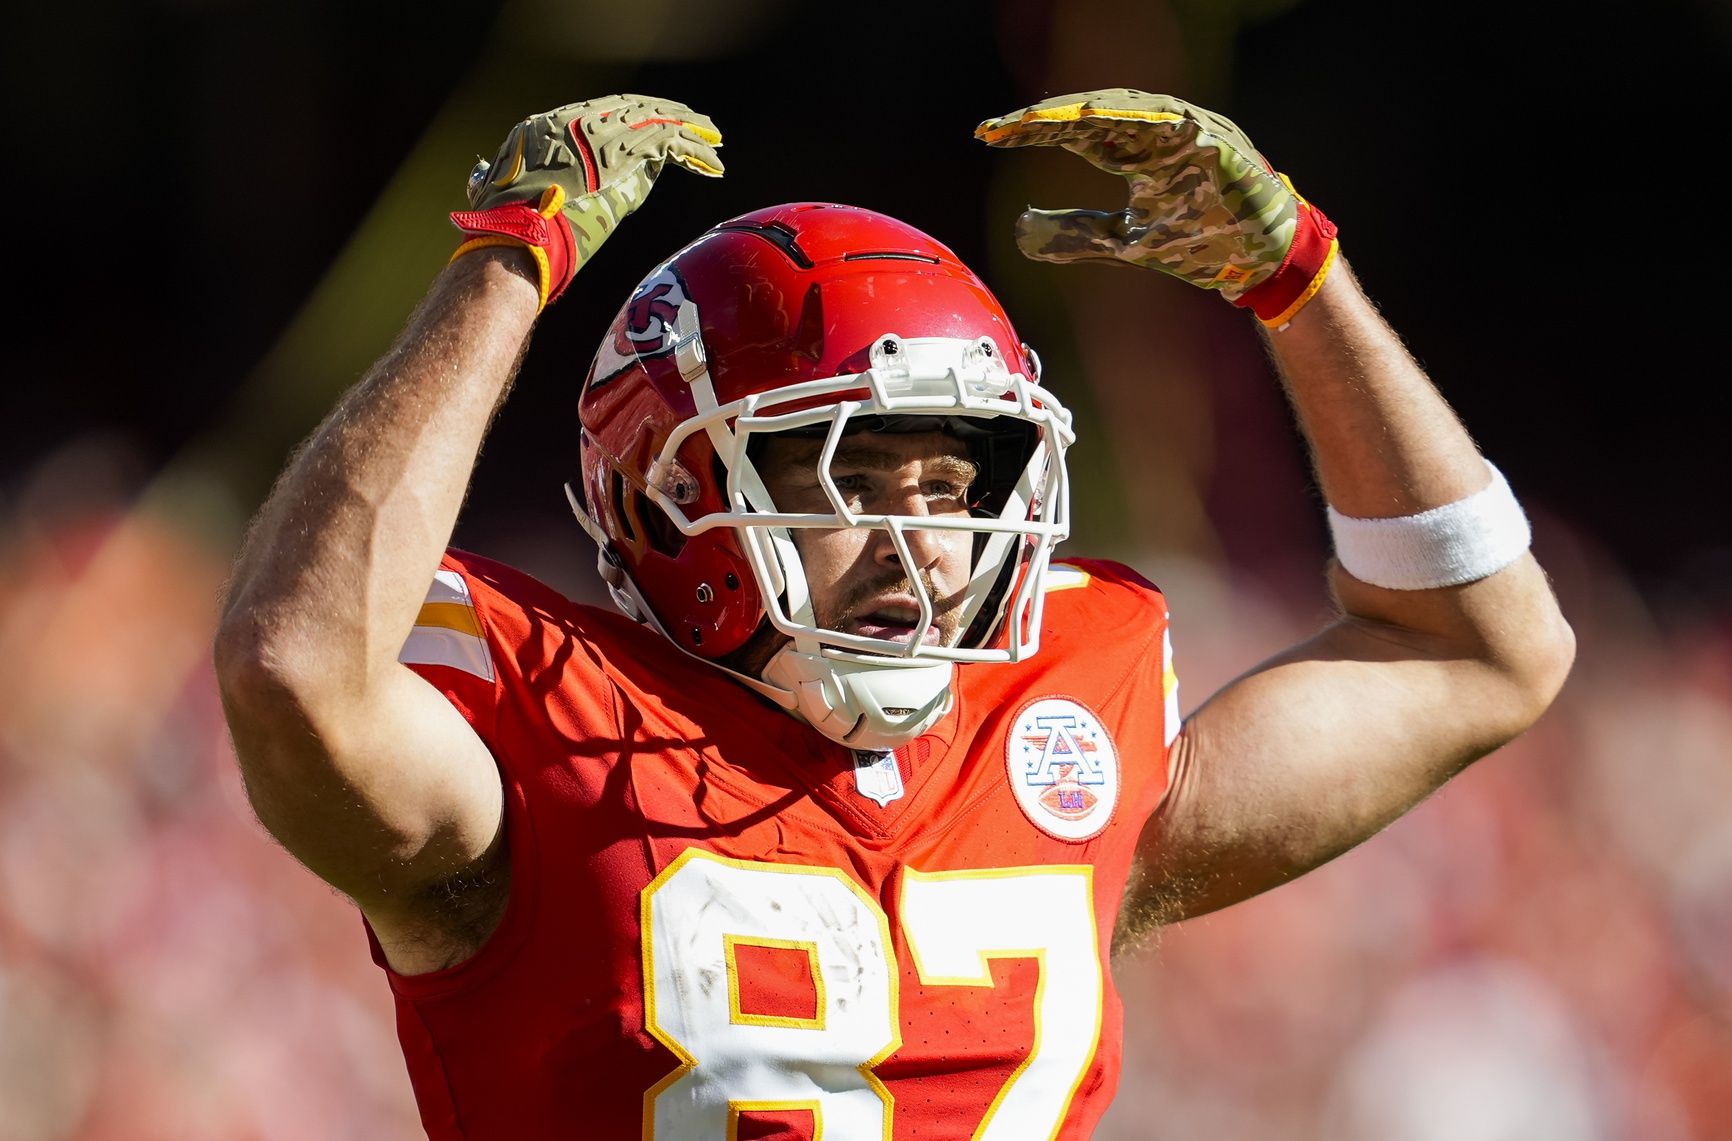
x=447, y=632
x=1061, y=577
x=1169, y=686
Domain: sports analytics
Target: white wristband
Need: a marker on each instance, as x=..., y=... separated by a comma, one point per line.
x=1459, y=542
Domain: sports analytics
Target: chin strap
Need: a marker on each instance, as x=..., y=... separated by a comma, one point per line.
x=861, y=704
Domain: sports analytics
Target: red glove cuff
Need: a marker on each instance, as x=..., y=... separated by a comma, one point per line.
x=1301, y=275
x=543, y=231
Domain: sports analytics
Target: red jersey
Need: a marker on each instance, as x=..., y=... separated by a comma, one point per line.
x=723, y=925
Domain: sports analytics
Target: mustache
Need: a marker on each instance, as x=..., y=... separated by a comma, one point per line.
x=895, y=582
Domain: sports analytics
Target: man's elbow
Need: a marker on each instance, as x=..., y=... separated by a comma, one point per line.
x=1534, y=672
x=245, y=667
x=283, y=722
x=265, y=662
x=253, y=670
x=277, y=702
x=1506, y=632
x=1560, y=656
x=263, y=693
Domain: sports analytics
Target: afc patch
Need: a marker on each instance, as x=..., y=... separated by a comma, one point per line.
x=1063, y=768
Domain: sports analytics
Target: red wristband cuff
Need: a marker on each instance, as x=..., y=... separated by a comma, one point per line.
x=520, y=223
x=1301, y=275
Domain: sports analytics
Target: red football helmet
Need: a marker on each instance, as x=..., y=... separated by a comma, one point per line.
x=815, y=319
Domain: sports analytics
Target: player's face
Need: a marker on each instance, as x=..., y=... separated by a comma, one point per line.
x=856, y=577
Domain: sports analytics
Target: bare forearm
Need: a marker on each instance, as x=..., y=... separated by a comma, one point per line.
x=1325, y=744
x=1384, y=443
x=1383, y=440
x=337, y=562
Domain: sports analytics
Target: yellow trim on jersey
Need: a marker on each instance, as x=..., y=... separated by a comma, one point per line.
x=741, y=1018
x=735, y=1108
x=646, y=920
x=1060, y=576
x=1086, y=871
x=1169, y=688
x=447, y=631
x=456, y=616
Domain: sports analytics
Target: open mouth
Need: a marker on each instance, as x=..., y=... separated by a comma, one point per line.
x=895, y=623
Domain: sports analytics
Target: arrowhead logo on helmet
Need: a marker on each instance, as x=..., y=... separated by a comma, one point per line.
x=646, y=328
x=818, y=321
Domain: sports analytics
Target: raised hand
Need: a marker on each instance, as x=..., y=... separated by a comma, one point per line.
x=1204, y=205
x=562, y=180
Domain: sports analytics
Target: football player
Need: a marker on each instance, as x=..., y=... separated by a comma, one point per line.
x=829, y=830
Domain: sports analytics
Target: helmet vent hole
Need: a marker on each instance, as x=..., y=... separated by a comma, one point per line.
x=888, y=255
x=616, y=485
x=660, y=530
x=778, y=235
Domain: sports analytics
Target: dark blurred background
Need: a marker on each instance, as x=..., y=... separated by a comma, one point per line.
x=242, y=201
x=226, y=209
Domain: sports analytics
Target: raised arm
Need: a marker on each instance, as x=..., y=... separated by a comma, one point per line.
x=1329, y=742
x=357, y=766
x=1319, y=748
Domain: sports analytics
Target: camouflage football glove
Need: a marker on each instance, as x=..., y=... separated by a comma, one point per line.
x=1204, y=206
x=563, y=180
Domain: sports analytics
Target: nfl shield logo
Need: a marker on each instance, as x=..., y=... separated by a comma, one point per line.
x=876, y=776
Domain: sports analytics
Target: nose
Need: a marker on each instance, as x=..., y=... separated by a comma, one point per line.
x=924, y=544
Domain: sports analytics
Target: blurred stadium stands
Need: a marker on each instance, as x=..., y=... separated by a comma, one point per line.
x=1543, y=950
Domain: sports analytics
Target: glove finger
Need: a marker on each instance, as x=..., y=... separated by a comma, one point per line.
x=1069, y=235
x=1065, y=113
x=622, y=107
x=1113, y=146
x=638, y=111
x=1013, y=132
x=620, y=128
x=1118, y=146
x=697, y=157
x=661, y=126
x=700, y=126
x=1059, y=108
x=661, y=142
x=1083, y=137
x=1119, y=129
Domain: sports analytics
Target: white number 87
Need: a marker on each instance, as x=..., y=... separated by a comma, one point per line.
x=703, y=906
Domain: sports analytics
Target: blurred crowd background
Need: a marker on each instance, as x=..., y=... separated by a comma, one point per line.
x=224, y=209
